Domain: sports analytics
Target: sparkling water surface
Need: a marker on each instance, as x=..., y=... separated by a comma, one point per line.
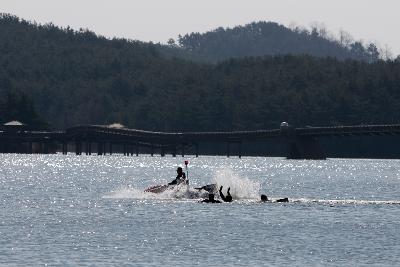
x=59, y=210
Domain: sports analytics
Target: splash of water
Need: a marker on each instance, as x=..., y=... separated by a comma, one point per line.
x=176, y=192
x=241, y=187
x=129, y=192
x=222, y=176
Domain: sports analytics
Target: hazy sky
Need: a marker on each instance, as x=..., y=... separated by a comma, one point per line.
x=158, y=20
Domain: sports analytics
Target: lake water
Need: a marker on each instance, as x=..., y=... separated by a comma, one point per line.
x=59, y=210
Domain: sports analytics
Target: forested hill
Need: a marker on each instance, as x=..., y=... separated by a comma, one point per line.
x=269, y=38
x=75, y=78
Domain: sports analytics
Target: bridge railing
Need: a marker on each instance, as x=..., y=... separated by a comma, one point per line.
x=348, y=130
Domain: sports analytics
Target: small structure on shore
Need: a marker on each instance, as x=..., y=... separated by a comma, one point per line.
x=116, y=125
x=13, y=126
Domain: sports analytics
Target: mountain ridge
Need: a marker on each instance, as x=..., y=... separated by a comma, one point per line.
x=76, y=77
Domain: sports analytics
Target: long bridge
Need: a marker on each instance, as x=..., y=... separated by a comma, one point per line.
x=302, y=143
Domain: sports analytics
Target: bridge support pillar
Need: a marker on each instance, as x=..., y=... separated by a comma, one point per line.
x=174, y=151
x=78, y=147
x=228, y=149
x=305, y=147
x=87, y=147
x=99, y=148
x=197, y=150
x=2, y=147
x=137, y=149
x=183, y=150
x=240, y=149
x=64, y=148
x=110, y=147
x=30, y=149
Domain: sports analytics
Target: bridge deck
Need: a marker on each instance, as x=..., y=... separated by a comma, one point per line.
x=297, y=138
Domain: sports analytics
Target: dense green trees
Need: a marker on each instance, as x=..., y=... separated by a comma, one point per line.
x=80, y=78
x=268, y=38
x=20, y=107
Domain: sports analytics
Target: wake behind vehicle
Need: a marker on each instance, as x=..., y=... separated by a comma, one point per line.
x=156, y=189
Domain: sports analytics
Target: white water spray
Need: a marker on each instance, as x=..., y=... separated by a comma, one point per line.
x=175, y=192
x=129, y=192
x=241, y=187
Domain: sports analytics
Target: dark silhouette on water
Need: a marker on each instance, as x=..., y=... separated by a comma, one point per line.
x=210, y=199
x=180, y=177
x=264, y=198
x=228, y=197
x=283, y=200
x=211, y=188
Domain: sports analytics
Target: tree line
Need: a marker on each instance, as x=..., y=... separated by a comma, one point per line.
x=269, y=38
x=72, y=77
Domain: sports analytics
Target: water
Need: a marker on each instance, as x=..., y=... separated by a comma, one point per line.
x=59, y=210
